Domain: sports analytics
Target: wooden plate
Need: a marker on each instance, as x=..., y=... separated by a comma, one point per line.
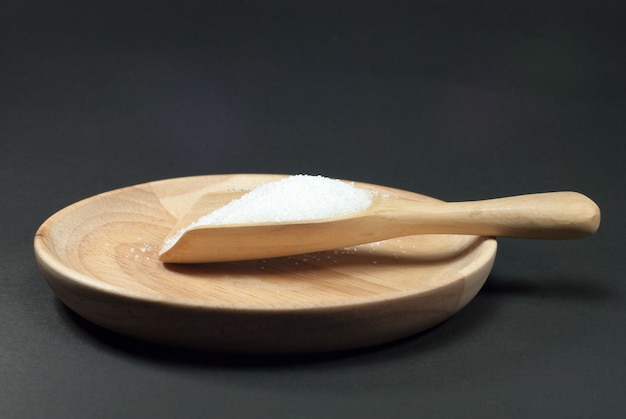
x=99, y=256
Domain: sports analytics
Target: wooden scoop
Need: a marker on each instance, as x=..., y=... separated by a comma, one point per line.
x=554, y=215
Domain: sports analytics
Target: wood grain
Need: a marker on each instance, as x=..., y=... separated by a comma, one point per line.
x=99, y=256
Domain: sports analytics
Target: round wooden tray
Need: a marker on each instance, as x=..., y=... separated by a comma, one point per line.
x=99, y=256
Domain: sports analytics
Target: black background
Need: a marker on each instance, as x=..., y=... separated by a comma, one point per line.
x=454, y=99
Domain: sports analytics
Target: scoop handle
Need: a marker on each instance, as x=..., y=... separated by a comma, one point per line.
x=552, y=215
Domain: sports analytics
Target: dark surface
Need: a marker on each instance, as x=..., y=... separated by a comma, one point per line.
x=454, y=99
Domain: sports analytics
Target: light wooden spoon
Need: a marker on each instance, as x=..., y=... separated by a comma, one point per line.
x=554, y=215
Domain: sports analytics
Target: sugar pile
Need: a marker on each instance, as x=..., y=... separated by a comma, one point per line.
x=294, y=198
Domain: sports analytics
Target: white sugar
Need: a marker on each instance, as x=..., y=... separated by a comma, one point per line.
x=295, y=198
